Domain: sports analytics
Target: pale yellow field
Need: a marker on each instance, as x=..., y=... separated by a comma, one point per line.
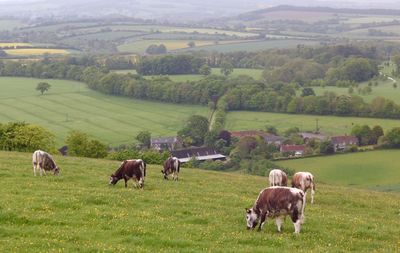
x=17, y=44
x=35, y=51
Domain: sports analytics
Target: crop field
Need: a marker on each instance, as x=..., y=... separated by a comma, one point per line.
x=202, y=212
x=71, y=105
x=36, y=51
x=14, y=44
x=244, y=120
x=377, y=170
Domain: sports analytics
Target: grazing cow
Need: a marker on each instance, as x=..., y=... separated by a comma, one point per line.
x=277, y=202
x=171, y=165
x=45, y=162
x=129, y=169
x=277, y=178
x=304, y=181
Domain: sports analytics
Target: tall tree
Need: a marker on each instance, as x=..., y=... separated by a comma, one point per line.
x=144, y=137
x=195, y=130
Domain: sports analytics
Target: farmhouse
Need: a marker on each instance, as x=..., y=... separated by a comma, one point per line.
x=312, y=136
x=198, y=153
x=297, y=150
x=165, y=143
x=341, y=142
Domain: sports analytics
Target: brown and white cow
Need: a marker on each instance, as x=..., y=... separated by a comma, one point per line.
x=277, y=178
x=171, y=165
x=45, y=162
x=277, y=202
x=304, y=181
x=130, y=169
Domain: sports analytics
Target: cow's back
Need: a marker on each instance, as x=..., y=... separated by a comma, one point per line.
x=278, y=199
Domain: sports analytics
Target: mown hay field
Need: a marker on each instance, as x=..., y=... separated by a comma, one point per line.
x=71, y=105
x=202, y=212
x=36, y=51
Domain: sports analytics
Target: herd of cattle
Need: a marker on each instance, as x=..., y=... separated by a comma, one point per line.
x=277, y=201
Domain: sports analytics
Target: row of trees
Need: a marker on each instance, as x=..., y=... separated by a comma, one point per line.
x=170, y=65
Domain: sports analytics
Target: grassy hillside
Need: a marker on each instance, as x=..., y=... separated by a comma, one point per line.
x=203, y=212
x=244, y=120
x=71, y=105
x=376, y=170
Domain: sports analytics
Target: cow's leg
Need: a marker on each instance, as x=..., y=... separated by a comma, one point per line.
x=296, y=220
x=34, y=170
x=279, y=221
x=126, y=182
x=297, y=226
x=40, y=169
x=312, y=193
x=262, y=221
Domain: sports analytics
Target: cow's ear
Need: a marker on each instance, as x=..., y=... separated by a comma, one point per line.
x=247, y=210
x=162, y=171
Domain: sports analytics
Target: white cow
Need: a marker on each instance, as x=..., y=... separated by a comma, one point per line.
x=304, y=181
x=277, y=178
x=45, y=162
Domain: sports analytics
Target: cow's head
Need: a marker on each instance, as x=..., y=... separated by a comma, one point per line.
x=56, y=170
x=113, y=179
x=165, y=173
x=252, y=218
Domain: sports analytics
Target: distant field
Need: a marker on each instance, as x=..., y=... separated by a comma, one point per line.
x=35, y=51
x=12, y=44
x=384, y=89
x=377, y=170
x=256, y=45
x=9, y=24
x=71, y=105
x=255, y=73
x=203, y=212
x=244, y=120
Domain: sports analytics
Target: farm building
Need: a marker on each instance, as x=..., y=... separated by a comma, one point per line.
x=297, y=150
x=199, y=153
x=341, y=142
x=274, y=139
x=310, y=136
x=166, y=143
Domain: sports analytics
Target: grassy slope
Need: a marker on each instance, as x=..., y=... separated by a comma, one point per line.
x=203, y=212
x=114, y=120
x=377, y=170
x=244, y=120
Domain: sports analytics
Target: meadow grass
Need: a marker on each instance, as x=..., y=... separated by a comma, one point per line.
x=36, y=51
x=140, y=46
x=245, y=120
x=377, y=170
x=202, y=212
x=71, y=105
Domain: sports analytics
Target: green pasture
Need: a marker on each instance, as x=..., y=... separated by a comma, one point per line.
x=377, y=170
x=203, y=212
x=245, y=120
x=256, y=45
x=10, y=24
x=71, y=105
x=384, y=89
x=255, y=73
